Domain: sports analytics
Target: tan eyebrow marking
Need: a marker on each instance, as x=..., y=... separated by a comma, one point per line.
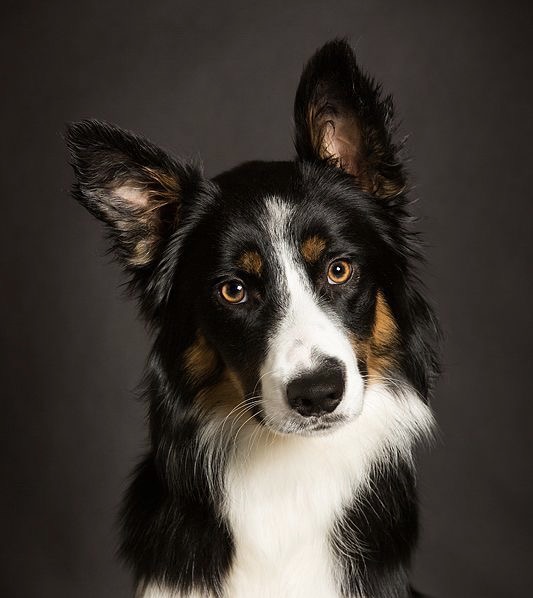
x=312, y=248
x=251, y=262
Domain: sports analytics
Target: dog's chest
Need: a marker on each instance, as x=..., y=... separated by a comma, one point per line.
x=282, y=503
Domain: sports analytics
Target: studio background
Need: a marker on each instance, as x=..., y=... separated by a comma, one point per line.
x=218, y=80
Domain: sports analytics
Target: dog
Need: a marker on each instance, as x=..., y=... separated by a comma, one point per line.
x=293, y=351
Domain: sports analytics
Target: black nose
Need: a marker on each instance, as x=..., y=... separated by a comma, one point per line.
x=317, y=392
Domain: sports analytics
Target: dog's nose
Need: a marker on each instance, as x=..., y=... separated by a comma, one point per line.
x=317, y=392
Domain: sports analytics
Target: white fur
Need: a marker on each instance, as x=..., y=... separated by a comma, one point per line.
x=284, y=492
x=306, y=334
x=135, y=196
x=157, y=591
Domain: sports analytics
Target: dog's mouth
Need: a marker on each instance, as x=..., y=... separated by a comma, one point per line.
x=315, y=426
x=302, y=426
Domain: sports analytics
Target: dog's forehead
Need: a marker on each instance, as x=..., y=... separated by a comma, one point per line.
x=265, y=207
x=271, y=225
x=289, y=226
x=270, y=197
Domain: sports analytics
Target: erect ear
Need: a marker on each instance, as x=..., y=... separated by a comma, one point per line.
x=341, y=117
x=131, y=185
x=134, y=187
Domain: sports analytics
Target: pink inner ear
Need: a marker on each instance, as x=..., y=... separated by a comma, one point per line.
x=342, y=141
x=137, y=197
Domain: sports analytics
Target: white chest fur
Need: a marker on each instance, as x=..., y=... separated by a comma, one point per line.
x=282, y=501
x=283, y=495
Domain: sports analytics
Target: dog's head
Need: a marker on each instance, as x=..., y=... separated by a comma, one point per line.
x=282, y=288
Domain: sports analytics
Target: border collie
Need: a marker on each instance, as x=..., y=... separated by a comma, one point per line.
x=293, y=352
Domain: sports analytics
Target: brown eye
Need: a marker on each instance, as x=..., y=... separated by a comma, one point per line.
x=339, y=272
x=233, y=291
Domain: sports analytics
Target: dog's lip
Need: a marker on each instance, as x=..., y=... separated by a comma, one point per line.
x=306, y=425
x=313, y=425
x=323, y=425
x=324, y=421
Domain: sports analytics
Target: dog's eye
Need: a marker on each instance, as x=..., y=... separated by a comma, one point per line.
x=233, y=291
x=339, y=272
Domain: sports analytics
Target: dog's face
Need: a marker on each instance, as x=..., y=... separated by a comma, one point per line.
x=278, y=279
x=287, y=287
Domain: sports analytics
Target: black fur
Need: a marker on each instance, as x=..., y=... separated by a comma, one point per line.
x=386, y=521
x=333, y=88
x=181, y=236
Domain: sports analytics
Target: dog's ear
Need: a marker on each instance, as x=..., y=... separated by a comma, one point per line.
x=341, y=117
x=141, y=194
x=131, y=185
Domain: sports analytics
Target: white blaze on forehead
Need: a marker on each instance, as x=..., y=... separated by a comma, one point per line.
x=305, y=332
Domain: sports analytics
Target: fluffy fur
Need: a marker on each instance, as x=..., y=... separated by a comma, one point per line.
x=293, y=352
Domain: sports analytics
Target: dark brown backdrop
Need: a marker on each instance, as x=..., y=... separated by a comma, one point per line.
x=217, y=79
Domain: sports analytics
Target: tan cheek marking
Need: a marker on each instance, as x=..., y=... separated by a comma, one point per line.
x=251, y=262
x=200, y=360
x=223, y=401
x=217, y=399
x=312, y=248
x=378, y=350
x=385, y=330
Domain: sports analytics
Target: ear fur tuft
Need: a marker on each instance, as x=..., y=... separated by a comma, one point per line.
x=341, y=118
x=135, y=188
